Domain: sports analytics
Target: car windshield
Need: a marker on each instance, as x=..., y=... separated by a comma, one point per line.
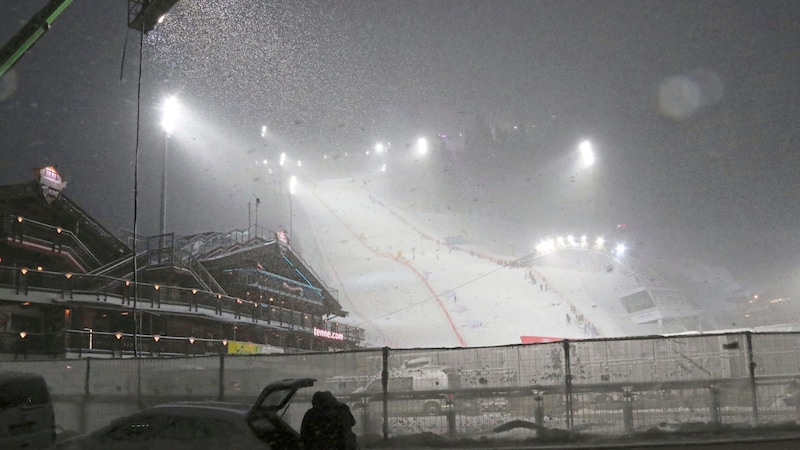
x=446, y=136
x=266, y=178
x=658, y=132
x=281, y=177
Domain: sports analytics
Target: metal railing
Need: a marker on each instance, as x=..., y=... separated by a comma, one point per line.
x=270, y=282
x=92, y=289
x=57, y=239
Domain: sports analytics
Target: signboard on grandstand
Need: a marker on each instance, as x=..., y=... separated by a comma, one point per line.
x=539, y=339
x=335, y=335
x=249, y=348
x=50, y=182
x=283, y=239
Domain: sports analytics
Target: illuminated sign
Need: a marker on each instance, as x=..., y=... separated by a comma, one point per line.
x=50, y=181
x=242, y=348
x=328, y=334
x=282, y=237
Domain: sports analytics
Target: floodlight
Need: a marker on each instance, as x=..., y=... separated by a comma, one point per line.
x=143, y=15
x=587, y=153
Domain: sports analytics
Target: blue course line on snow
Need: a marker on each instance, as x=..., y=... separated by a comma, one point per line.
x=297, y=270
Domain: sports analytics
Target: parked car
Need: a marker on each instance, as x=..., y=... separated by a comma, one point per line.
x=203, y=425
x=27, y=417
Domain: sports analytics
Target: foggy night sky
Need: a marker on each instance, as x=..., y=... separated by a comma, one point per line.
x=692, y=108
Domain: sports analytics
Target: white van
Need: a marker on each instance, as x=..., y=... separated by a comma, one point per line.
x=27, y=417
x=410, y=379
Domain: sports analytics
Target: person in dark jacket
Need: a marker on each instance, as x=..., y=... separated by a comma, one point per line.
x=328, y=424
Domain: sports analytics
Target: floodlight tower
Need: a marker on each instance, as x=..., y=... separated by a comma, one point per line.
x=168, y=119
x=292, y=191
x=587, y=156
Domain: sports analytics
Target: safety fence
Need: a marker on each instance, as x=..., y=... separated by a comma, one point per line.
x=604, y=387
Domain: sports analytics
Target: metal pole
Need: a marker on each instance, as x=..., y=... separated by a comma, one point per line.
x=568, y=384
x=385, y=390
x=164, y=188
x=221, y=394
x=291, y=215
x=280, y=192
x=751, y=365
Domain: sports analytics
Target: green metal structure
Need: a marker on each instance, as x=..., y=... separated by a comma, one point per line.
x=30, y=33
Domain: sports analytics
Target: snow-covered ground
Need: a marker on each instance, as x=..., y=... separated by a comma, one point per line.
x=407, y=288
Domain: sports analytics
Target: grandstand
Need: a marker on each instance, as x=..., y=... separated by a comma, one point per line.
x=70, y=288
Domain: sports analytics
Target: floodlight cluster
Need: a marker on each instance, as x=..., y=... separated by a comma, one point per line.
x=569, y=241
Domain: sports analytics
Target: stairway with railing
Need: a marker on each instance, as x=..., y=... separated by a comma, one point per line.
x=18, y=229
x=162, y=257
x=162, y=251
x=205, y=244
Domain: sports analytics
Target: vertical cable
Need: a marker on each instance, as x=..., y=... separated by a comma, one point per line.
x=124, y=51
x=136, y=194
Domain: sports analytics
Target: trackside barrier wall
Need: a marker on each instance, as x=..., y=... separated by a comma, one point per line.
x=603, y=387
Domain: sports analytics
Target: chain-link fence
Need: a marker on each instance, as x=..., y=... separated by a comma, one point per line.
x=607, y=387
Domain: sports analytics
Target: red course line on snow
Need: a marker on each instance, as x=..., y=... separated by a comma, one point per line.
x=405, y=263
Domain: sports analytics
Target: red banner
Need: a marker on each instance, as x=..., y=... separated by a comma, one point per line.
x=539, y=339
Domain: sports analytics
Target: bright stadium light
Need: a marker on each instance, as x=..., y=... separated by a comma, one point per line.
x=599, y=243
x=169, y=114
x=546, y=246
x=570, y=241
x=587, y=153
x=422, y=146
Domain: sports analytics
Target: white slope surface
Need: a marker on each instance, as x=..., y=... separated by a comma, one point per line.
x=407, y=288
